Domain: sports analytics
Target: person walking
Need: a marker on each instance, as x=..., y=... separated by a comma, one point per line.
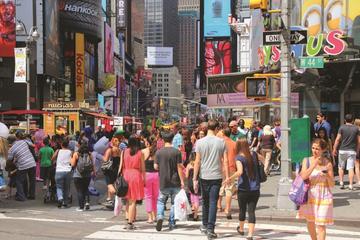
x=266, y=145
x=322, y=123
x=21, y=155
x=248, y=185
x=111, y=154
x=318, y=211
x=169, y=164
x=63, y=173
x=211, y=154
x=45, y=154
x=134, y=174
x=82, y=180
x=152, y=178
x=348, y=142
x=231, y=187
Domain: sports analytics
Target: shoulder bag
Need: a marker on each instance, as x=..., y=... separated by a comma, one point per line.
x=121, y=186
x=299, y=189
x=107, y=166
x=261, y=170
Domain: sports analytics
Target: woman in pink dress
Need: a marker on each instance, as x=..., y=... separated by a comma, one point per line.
x=134, y=174
x=318, y=211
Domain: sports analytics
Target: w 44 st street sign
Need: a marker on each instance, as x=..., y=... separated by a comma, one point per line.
x=274, y=37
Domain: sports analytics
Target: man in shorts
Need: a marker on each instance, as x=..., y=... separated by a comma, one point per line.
x=348, y=139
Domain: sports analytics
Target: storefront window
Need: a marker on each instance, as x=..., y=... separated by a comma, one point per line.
x=61, y=124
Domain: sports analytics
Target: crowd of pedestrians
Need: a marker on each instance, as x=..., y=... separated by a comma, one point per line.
x=213, y=161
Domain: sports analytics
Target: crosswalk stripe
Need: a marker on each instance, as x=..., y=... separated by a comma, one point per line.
x=224, y=230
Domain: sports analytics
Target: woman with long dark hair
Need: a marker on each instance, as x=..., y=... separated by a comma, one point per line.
x=248, y=185
x=134, y=173
x=152, y=178
x=82, y=180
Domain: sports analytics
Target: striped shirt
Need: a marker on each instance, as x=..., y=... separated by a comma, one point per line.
x=20, y=154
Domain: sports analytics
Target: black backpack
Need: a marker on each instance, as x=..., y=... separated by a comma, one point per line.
x=84, y=165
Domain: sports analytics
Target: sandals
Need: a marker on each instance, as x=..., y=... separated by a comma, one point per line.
x=240, y=232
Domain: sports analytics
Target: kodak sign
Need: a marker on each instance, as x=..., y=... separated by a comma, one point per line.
x=79, y=66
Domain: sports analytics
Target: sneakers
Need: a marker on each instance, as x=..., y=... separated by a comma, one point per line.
x=351, y=188
x=211, y=235
x=108, y=203
x=79, y=209
x=159, y=224
x=60, y=203
x=203, y=229
x=342, y=186
x=87, y=206
x=130, y=226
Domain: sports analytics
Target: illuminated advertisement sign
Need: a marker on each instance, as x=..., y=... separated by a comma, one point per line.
x=160, y=56
x=79, y=66
x=7, y=28
x=217, y=57
x=52, y=53
x=121, y=13
x=109, y=49
x=20, y=65
x=216, y=18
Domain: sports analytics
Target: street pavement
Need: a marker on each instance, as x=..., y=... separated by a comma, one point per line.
x=36, y=220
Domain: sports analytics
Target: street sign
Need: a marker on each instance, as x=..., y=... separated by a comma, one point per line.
x=274, y=37
x=312, y=62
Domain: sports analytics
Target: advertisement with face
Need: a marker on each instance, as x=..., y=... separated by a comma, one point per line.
x=109, y=49
x=335, y=16
x=216, y=18
x=52, y=55
x=7, y=28
x=217, y=57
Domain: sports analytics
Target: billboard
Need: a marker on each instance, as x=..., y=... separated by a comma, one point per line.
x=79, y=66
x=81, y=16
x=217, y=57
x=109, y=49
x=7, y=28
x=160, y=56
x=52, y=52
x=216, y=18
x=328, y=15
x=228, y=90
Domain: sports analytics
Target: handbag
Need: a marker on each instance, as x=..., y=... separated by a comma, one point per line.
x=107, y=166
x=299, y=189
x=261, y=170
x=121, y=186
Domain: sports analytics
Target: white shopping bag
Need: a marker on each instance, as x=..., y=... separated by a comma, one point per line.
x=117, y=206
x=181, y=206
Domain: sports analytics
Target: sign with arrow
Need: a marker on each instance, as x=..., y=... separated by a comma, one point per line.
x=274, y=37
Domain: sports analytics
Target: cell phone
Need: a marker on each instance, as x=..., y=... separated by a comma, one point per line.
x=324, y=171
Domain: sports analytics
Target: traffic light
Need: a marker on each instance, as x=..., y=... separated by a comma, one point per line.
x=256, y=4
x=257, y=87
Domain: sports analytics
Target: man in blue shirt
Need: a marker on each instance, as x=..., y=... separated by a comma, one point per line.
x=178, y=139
x=322, y=123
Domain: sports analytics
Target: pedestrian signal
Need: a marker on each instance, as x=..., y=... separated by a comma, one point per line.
x=257, y=87
x=256, y=4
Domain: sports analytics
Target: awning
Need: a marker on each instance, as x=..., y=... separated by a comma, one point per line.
x=23, y=112
x=98, y=115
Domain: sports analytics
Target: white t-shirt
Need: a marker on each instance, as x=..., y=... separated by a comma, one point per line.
x=63, y=160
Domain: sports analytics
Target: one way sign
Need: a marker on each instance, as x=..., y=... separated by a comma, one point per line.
x=273, y=37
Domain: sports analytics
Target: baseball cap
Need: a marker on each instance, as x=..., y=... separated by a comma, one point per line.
x=4, y=131
x=233, y=123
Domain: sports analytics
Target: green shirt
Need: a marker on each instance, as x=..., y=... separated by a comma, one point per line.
x=46, y=154
x=235, y=137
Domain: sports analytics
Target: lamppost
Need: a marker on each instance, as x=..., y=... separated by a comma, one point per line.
x=31, y=37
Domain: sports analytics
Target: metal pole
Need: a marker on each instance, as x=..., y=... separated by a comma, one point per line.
x=283, y=201
x=137, y=102
x=27, y=86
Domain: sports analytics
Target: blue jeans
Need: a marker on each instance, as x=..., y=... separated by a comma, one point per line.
x=210, y=195
x=162, y=199
x=63, y=180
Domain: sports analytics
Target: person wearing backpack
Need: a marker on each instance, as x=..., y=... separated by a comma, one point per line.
x=83, y=166
x=247, y=172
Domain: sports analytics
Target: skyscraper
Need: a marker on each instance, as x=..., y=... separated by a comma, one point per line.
x=188, y=13
x=161, y=25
